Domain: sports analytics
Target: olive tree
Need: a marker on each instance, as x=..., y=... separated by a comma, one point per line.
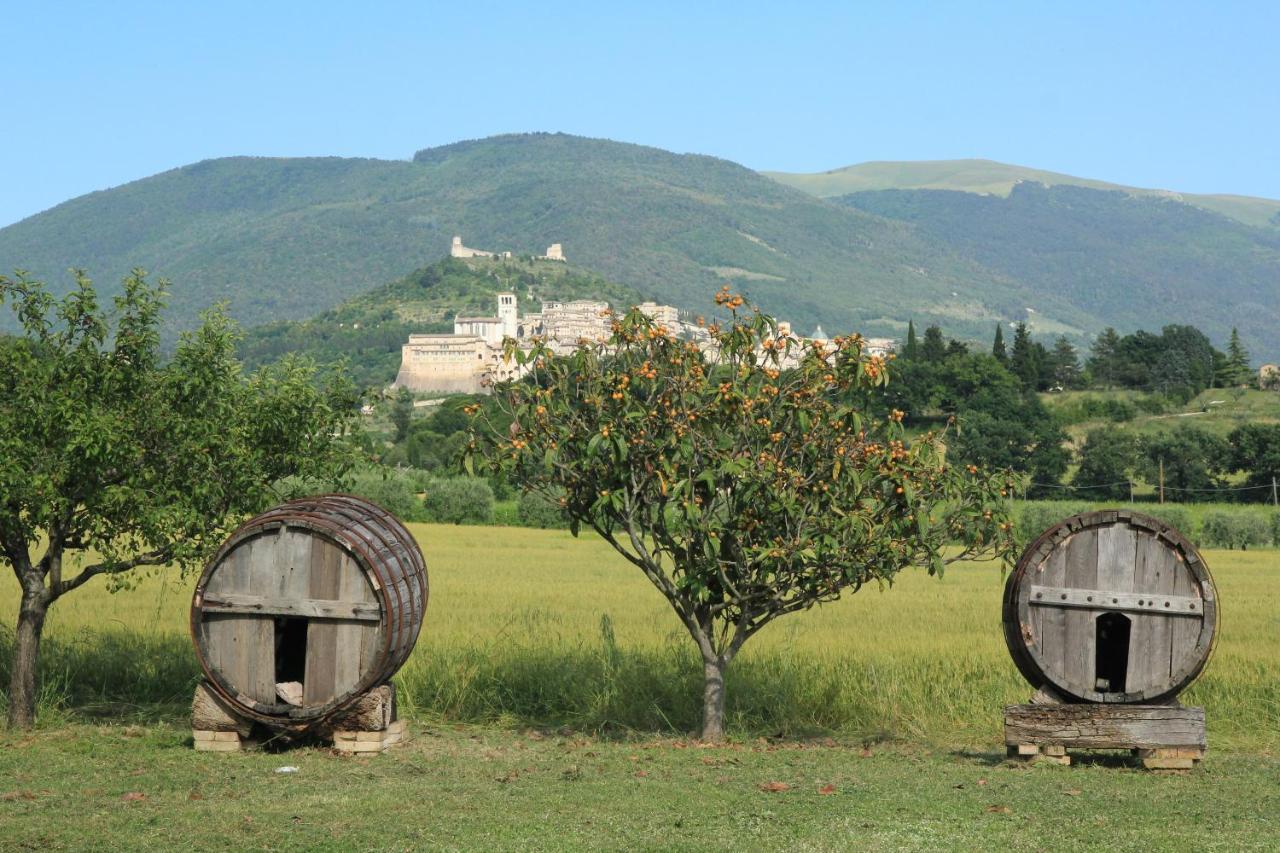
x=113, y=458
x=745, y=477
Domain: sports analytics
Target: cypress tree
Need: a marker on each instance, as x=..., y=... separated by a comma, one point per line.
x=913, y=346
x=1065, y=364
x=997, y=347
x=1103, y=357
x=1023, y=361
x=1238, y=369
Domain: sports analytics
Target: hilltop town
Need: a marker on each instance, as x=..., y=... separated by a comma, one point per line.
x=469, y=360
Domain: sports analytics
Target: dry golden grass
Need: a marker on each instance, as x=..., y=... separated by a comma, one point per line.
x=535, y=626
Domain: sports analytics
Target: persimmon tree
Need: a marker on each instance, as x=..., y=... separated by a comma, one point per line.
x=113, y=459
x=747, y=478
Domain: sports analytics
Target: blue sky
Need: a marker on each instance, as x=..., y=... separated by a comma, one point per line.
x=1175, y=95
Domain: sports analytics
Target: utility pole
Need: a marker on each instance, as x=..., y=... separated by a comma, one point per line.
x=1275, y=499
x=1161, y=479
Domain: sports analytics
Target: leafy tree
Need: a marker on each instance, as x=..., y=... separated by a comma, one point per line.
x=402, y=414
x=1185, y=362
x=934, y=348
x=1179, y=362
x=1065, y=364
x=1192, y=459
x=1034, y=448
x=449, y=419
x=1107, y=461
x=997, y=346
x=742, y=490
x=395, y=490
x=112, y=460
x=1255, y=450
x=912, y=349
x=1000, y=425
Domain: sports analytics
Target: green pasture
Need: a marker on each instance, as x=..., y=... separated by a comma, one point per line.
x=533, y=627
x=1217, y=410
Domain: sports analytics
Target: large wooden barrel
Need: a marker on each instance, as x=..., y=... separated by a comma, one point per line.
x=1111, y=606
x=307, y=607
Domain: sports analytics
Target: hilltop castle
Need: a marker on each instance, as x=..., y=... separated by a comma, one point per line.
x=555, y=252
x=469, y=360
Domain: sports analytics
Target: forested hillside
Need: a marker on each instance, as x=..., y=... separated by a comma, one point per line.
x=1131, y=262
x=284, y=239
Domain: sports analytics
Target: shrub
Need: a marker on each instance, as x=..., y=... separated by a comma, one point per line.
x=1215, y=530
x=537, y=511
x=1251, y=529
x=1174, y=516
x=459, y=500
x=1036, y=517
x=1152, y=404
x=391, y=489
x=506, y=514
x=1231, y=530
x=1275, y=529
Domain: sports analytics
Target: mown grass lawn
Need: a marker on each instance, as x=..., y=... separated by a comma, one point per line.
x=466, y=787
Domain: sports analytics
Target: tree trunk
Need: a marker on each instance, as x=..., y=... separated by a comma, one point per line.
x=26, y=654
x=713, y=699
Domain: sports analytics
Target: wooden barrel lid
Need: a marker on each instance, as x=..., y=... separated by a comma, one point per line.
x=1111, y=606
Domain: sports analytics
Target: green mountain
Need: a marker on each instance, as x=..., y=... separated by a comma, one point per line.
x=285, y=239
x=1132, y=262
x=369, y=330
x=988, y=177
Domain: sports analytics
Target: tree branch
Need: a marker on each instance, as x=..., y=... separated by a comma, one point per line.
x=152, y=558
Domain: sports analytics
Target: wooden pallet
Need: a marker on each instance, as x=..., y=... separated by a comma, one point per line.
x=1163, y=737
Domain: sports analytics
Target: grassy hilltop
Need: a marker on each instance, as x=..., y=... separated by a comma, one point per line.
x=988, y=177
x=284, y=239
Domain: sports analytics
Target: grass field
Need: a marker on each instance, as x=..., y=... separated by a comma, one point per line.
x=550, y=698
x=533, y=627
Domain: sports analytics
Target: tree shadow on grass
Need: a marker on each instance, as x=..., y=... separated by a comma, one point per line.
x=122, y=676
x=1079, y=758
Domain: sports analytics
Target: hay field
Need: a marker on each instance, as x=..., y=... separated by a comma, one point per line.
x=535, y=627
